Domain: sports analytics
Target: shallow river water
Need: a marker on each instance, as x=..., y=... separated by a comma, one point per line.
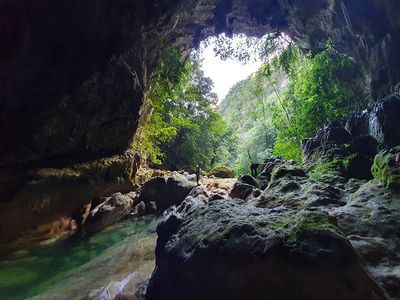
x=70, y=268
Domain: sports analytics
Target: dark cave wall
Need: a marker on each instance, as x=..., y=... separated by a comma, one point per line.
x=73, y=73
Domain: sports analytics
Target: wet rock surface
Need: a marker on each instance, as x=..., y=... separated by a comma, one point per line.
x=370, y=219
x=36, y=198
x=256, y=254
x=166, y=191
x=115, y=208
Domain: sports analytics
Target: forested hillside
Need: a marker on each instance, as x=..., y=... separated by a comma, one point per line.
x=289, y=99
x=184, y=128
x=248, y=110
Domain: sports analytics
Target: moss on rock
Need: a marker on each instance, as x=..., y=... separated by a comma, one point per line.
x=386, y=169
x=328, y=171
x=222, y=172
x=254, y=253
x=115, y=168
x=311, y=222
x=340, y=170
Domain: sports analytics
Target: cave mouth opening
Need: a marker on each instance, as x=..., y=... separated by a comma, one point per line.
x=236, y=65
x=226, y=61
x=245, y=99
x=187, y=94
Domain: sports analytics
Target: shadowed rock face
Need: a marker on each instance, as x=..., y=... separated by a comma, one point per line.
x=35, y=200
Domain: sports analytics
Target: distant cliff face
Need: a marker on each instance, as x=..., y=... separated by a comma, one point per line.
x=73, y=74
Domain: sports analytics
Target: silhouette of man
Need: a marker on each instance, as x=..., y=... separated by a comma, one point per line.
x=254, y=168
x=198, y=170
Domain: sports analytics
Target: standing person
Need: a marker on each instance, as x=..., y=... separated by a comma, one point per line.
x=254, y=168
x=198, y=170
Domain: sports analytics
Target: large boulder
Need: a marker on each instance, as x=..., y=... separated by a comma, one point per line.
x=384, y=122
x=358, y=124
x=245, y=186
x=247, y=179
x=153, y=189
x=166, y=190
x=341, y=155
x=229, y=250
x=115, y=208
x=222, y=172
x=242, y=190
x=296, y=191
x=333, y=134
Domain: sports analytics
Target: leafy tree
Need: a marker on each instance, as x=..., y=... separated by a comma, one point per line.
x=322, y=88
x=184, y=127
x=246, y=109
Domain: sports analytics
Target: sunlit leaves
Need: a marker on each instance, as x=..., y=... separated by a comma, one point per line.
x=321, y=90
x=184, y=128
x=245, y=48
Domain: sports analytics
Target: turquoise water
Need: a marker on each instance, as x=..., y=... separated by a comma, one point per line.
x=29, y=272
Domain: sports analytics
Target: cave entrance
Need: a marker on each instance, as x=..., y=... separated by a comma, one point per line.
x=264, y=96
x=228, y=61
x=246, y=95
x=192, y=118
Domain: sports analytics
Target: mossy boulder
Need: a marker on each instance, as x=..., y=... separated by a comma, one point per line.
x=230, y=250
x=329, y=171
x=298, y=192
x=340, y=169
x=166, y=190
x=286, y=170
x=117, y=207
x=386, y=167
x=222, y=172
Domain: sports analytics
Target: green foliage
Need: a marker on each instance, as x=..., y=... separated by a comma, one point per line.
x=222, y=172
x=245, y=48
x=246, y=109
x=267, y=114
x=385, y=168
x=324, y=171
x=184, y=128
x=322, y=88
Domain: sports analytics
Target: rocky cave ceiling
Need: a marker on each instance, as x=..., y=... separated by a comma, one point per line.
x=73, y=73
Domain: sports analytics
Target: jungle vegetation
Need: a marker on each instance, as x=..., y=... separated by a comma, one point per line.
x=289, y=98
x=185, y=127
